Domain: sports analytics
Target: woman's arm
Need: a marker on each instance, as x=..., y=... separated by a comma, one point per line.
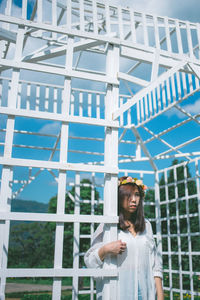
x=159, y=288
x=113, y=248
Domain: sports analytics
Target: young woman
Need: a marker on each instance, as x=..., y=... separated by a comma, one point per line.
x=139, y=265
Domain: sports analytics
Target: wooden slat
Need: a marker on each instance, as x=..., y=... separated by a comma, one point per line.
x=154, y=100
x=107, y=12
x=178, y=35
x=157, y=39
x=98, y=106
x=189, y=38
x=120, y=22
x=28, y=94
x=39, y=10
x=90, y=105
x=133, y=30
x=46, y=99
x=95, y=19
x=82, y=21
x=55, y=100
x=19, y=95
x=69, y=14
x=37, y=98
x=146, y=41
x=146, y=100
x=178, y=85
x=184, y=83
x=150, y=103
x=138, y=111
x=168, y=91
x=81, y=104
x=142, y=109
x=24, y=9
x=129, y=117
x=122, y=115
x=173, y=89
x=72, y=105
x=168, y=39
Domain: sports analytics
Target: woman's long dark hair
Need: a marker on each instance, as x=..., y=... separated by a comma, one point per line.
x=125, y=191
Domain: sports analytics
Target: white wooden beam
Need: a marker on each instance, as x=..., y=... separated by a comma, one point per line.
x=133, y=79
x=146, y=90
x=59, y=218
x=59, y=51
x=58, y=272
x=57, y=165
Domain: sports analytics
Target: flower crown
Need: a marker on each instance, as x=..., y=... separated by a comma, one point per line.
x=137, y=181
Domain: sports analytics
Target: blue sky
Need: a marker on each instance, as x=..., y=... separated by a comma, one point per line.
x=44, y=186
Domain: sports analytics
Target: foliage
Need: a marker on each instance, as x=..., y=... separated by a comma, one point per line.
x=179, y=207
x=32, y=243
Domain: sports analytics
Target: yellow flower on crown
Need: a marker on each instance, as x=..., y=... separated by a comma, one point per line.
x=138, y=182
x=135, y=180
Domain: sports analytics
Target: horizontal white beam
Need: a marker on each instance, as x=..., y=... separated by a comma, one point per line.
x=57, y=117
x=8, y=35
x=90, y=35
x=64, y=218
x=166, y=59
x=147, y=89
x=58, y=272
x=57, y=71
x=133, y=79
x=57, y=165
x=59, y=51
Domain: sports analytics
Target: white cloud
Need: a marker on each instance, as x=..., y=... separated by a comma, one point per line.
x=180, y=9
x=51, y=128
x=190, y=108
x=193, y=108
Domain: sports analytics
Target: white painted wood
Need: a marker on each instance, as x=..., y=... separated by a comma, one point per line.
x=24, y=9
x=59, y=218
x=178, y=35
x=102, y=109
x=189, y=38
x=76, y=242
x=58, y=272
x=82, y=21
x=120, y=22
x=133, y=31
x=59, y=117
x=95, y=19
x=146, y=40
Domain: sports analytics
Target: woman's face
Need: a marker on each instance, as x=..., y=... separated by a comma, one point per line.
x=130, y=204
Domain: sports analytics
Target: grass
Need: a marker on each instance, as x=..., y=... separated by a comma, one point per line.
x=38, y=280
x=43, y=296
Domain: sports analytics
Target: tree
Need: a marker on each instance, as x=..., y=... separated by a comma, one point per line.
x=85, y=208
x=181, y=185
x=32, y=243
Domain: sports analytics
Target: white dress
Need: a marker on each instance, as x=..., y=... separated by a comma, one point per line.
x=137, y=266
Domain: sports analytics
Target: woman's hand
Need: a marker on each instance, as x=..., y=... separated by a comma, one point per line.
x=113, y=248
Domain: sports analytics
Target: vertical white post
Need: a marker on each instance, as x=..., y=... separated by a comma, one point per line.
x=178, y=233
x=133, y=30
x=7, y=172
x=59, y=235
x=111, y=160
x=76, y=242
x=158, y=216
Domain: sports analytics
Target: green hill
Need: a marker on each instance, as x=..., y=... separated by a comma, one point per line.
x=28, y=206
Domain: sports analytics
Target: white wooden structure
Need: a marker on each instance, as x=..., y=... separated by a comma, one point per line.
x=117, y=72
